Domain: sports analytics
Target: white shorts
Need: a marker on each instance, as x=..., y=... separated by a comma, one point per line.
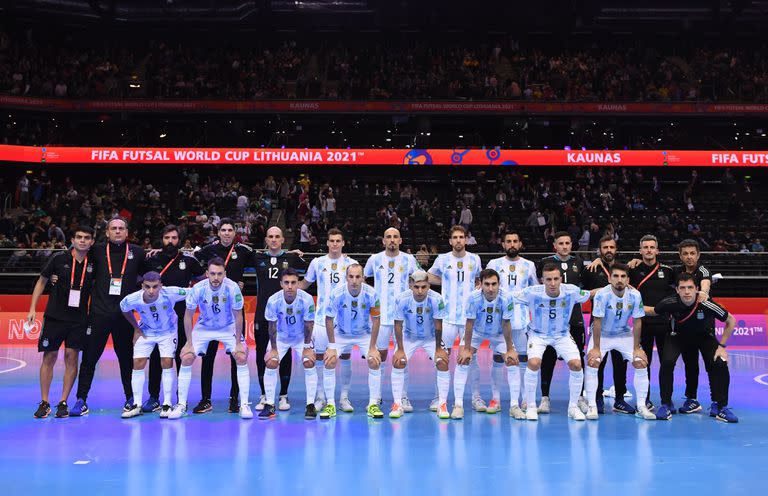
x=622, y=344
x=451, y=332
x=385, y=333
x=319, y=338
x=411, y=345
x=345, y=343
x=496, y=343
x=565, y=346
x=520, y=340
x=200, y=340
x=284, y=345
x=165, y=343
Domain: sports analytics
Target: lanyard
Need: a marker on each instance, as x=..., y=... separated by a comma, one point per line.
x=607, y=273
x=690, y=314
x=226, y=262
x=109, y=262
x=169, y=264
x=655, y=269
x=82, y=276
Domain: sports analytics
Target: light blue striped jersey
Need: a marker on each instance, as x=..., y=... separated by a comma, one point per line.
x=290, y=317
x=615, y=311
x=328, y=273
x=157, y=318
x=216, y=305
x=390, y=278
x=515, y=275
x=352, y=314
x=488, y=315
x=458, y=281
x=418, y=317
x=550, y=315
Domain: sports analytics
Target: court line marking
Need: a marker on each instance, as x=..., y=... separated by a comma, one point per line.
x=748, y=356
x=761, y=379
x=21, y=364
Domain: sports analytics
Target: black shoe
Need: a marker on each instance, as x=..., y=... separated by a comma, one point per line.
x=311, y=412
x=268, y=412
x=234, y=405
x=62, y=410
x=43, y=409
x=203, y=407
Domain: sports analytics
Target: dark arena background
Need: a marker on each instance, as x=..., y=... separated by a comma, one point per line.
x=606, y=120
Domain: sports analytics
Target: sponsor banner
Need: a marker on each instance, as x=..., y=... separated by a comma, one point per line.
x=392, y=107
x=359, y=156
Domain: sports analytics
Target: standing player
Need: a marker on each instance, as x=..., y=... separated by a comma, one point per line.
x=419, y=314
x=65, y=318
x=328, y=272
x=158, y=328
x=551, y=305
x=457, y=272
x=390, y=270
x=268, y=266
x=488, y=312
x=611, y=310
x=571, y=272
x=236, y=257
x=515, y=274
x=352, y=319
x=116, y=265
x=175, y=269
x=221, y=319
x=291, y=315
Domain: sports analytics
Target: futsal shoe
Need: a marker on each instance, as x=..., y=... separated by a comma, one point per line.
x=442, y=412
x=62, y=410
x=311, y=412
x=245, y=411
x=267, y=412
x=79, y=409
x=531, y=414
x=664, y=412
x=714, y=409
x=544, y=405
x=434, y=404
x=649, y=405
x=726, y=415
x=600, y=405
x=128, y=405
x=576, y=414
x=43, y=409
x=151, y=405
x=691, y=405
x=592, y=413
x=582, y=404
x=672, y=409
x=165, y=410
x=374, y=411
x=516, y=413
x=178, y=411
x=346, y=405
x=493, y=407
x=478, y=404
x=234, y=405
x=262, y=401
x=397, y=411
x=457, y=413
x=133, y=412
x=621, y=406
x=328, y=412
x=644, y=413
x=204, y=406
x=406, y=404
x=283, y=404
x=320, y=401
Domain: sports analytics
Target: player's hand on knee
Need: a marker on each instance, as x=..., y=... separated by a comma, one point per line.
x=241, y=352
x=594, y=357
x=374, y=358
x=639, y=359
x=511, y=358
x=187, y=353
x=441, y=356
x=272, y=358
x=308, y=358
x=465, y=355
x=399, y=359
x=330, y=358
x=137, y=334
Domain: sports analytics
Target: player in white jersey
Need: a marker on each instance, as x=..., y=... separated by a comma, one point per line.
x=488, y=311
x=515, y=273
x=221, y=319
x=390, y=270
x=291, y=317
x=456, y=272
x=328, y=272
x=612, y=308
x=550, y=305
x=158, y=327
x=352, y=319
x=419, y=314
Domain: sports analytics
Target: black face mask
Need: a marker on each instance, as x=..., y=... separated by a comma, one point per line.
x=170, y=249
x=513, y=253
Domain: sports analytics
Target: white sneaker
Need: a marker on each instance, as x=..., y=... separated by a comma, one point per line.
x=406, y=404
x=592, y=413
x=133, y=412
x=261, y=403
x=320, y=403
x=345, y=405
x=544, y=405
x=178, y=411
x=576, y=414
x=583, y=404
x=434, y=404
x=245, y=411
x=524, y=406
x=165, y=410
x=283, y=404
x=644, y=413
x=517, y=413
x=478, y=404
x=457, y=413
x=532, y=414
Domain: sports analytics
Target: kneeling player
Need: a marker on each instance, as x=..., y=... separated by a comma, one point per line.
x=419, y=324
x=352, y=318
x=291, y=314
x=612, y=307
x=221, y=319
x=158, y=327
x=488, y=312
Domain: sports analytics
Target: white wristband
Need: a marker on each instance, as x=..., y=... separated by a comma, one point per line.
x=332, y=346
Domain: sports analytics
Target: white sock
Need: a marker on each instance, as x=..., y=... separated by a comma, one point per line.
x=497, y=379
x=459, y=383
x=405, y=383
x=575, y=383
x=270, y=383
x=590, y=386
x=531, y=382
x=398, y=380
x=244, y=382
x=642, y=383
x=513, y=378
x=310, y=383
x=474, y=377
x=374, y=386
x=329, y=385
x=443, y=384
x=185, y=377
x=168, y=376
x=523, y=367
x=137, y=384
x=320, y=393
x=346, y=377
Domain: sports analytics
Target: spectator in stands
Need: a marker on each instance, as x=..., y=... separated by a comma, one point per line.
x=466, y=218
x=757, y=246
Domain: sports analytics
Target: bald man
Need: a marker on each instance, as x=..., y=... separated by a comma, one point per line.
x=269, y=265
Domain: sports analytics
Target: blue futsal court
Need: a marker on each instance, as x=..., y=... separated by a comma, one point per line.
x=219, y=453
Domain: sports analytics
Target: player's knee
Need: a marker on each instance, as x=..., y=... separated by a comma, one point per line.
x=273, y=363
x=574, y=365
x=166, y=362
x=309, y=363
x=139, y=363
x=187, y=359
x=441, y=364
x=534, y=363
x=241, y=358
x=397, y=364
x=49, y=358
x=498, y=358
x=373, y=365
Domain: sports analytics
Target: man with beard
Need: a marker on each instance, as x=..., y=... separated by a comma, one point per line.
x=175, y=269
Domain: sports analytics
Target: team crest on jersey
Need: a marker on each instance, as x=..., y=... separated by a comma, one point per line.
x=215, y=299
x=273, y=260
x=562, y=303
x=489, y=309
x=552, y=303
x=182, y=265
x=354, y=303
x=234, y=255
x=165, y=307
x=285, y=265
x=564, y=265
x=460, y=265
x=419, y=310
x=363, y=306
x=575, y=269
x=89, y=269
x=629, y=307
x=289, y=310
x=661, y=275
x=700, y=315
x=427, y=310
x=130, y=255
x=392, y=265
x=334, y=266
x=153, y=309
x=512, y=268
x=619, y=305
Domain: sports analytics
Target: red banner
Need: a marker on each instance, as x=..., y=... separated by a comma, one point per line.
x=319, y=156
x=390, y=107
